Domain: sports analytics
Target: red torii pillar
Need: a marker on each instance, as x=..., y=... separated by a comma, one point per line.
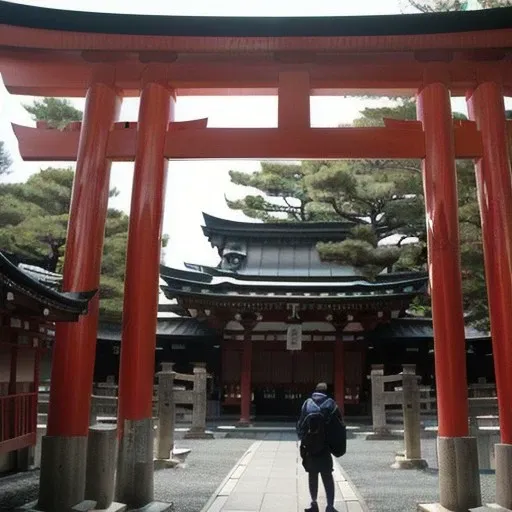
x=459, y=479
x=134, y=484
x=64, y=448
x=494, y=186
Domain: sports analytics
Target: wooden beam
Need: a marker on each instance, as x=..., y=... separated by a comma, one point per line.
x=393, y=142
x=49, y=73
x=294, y=100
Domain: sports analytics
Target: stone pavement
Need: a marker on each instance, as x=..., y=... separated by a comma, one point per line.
x=270, y=477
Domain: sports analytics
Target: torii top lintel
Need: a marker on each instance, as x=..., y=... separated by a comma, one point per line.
x=53, y=52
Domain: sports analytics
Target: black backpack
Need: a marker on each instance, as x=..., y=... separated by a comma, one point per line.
x=336, y=435
x=314, y=441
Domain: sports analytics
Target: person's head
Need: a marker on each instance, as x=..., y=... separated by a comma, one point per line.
x=321, y=387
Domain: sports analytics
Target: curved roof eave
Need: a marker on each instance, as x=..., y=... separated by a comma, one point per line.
x=219, y=26
x=32, y=28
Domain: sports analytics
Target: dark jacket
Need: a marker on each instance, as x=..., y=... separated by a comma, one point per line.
x=327, y=406
x=321, y=462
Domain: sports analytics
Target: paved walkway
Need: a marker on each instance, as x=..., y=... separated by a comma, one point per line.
x=270, y=477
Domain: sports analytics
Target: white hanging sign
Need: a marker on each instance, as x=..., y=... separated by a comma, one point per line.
x=294, y=337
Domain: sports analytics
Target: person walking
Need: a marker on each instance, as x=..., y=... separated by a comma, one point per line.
x=322, y=434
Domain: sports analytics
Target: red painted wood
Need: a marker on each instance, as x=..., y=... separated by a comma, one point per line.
x=22, y=37
x=137, y=366
x=494, y=186
x=339, y=373
x=75, y=343
x=258, y=143
x=246, y=379
x=440, y=190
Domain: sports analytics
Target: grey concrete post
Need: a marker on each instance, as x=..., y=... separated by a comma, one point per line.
x=412, y=421
x=378, y=403
x=198, y=430
x=166, y=412
x=411, y=411
x=101, y=465
x=504, y=475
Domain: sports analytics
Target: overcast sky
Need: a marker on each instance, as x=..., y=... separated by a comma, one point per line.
x=197, y=186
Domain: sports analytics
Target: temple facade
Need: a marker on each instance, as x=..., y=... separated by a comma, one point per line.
x=287, y=320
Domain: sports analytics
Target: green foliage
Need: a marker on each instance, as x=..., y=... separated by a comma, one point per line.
x=57, y=112
x=275, y=180
x=5, y=159
x=33, y=224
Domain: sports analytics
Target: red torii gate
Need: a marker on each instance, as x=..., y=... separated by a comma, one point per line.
x=106, y=57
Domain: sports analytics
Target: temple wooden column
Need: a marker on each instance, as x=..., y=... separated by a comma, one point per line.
x=246, y=379
x=134, y=484
x=494, y=187
x=458, y=461
x=62, y=479
x=248, y=323
x=339, y=372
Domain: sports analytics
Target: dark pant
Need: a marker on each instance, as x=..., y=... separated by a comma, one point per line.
x=328, y=481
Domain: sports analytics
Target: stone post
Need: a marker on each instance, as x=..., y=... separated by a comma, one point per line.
x=101, y=467
x=93, y=414
x=166, y=412
x=198, y=430
x=412, y=421
x=380, y=428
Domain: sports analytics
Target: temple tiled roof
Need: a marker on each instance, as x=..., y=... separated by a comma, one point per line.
x=204, y=283
x=182, y=328
x=27, y=294
x=417, y=328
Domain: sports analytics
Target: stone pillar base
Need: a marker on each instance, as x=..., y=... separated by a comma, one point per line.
x=503, y=457
x=405, y=463
x=62, y=477
x=459, y=478
x=134, y=483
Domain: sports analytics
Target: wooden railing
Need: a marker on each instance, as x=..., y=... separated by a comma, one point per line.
x=18, y=415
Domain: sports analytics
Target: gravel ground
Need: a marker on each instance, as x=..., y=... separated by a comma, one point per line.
x=367, y=464
x=189, y=487
x=16, y=490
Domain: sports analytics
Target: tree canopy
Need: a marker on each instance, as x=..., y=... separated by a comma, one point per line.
x=33, y=225
x=58, y=113
x=34, y=216
x=5, y=159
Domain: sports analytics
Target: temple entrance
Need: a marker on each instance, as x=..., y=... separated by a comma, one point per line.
x=282, y=379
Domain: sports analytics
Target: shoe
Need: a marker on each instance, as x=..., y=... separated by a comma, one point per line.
x=330, y=509
x=312, y=508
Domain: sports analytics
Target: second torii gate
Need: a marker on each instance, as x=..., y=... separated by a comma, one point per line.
x=160, y=58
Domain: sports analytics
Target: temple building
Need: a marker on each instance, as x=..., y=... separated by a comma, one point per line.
x=29, y=308
x=287, y=320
